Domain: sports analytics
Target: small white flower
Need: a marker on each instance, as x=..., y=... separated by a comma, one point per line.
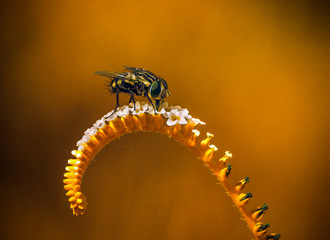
x=209, y=135
x=162, y=111
x=109, y=116
x=138, y=108
x=90, y=131
x=212, y=146
x=150, y=109
x=80, y=148
x=141, y=108
x=76, y=153
x=175, y=116
x=99, y=123
x=144, y=107
x=123, y=108
x=228, y=154
x=196, y=132
x=173, y=107
x=131, y=106
x=85, y=138
x=122, y=111
x=87, y=131
x=79, y=143
x=136, y=112
x=196, y=121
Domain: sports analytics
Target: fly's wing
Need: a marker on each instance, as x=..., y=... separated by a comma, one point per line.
x=133, y=69
x=112, y=74
x=129, y=71
x=137, y=71
x=144, y=75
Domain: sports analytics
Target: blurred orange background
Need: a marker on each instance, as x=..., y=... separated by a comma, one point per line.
x=257, y=72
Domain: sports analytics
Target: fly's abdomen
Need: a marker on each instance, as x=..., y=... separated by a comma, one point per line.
x=126, y=85
x=113, y=86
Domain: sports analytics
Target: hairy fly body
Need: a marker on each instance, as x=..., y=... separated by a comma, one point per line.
x=137, y=82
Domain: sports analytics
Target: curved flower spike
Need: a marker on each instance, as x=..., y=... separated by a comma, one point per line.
x=173, y=122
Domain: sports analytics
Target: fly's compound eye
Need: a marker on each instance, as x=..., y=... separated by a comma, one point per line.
x=155, y=90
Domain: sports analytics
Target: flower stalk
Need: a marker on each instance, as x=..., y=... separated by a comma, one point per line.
x=174, y=122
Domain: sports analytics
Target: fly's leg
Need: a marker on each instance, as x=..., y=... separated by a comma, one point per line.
x=117, y=97
x=132, y=98
x=152, y=104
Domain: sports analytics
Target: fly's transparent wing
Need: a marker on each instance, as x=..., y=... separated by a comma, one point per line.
x=133, y=69
x=111, y=74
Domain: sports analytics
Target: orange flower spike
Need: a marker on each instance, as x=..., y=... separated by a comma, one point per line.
x=77, y=188
x=73, y=205
x=243, y=198
x=224, y=173
x=143, y=120
x=187, y=129
x=206, y=141
x=158, y=121
x=107, y=130
x=68, y=187
x=225, y=158
x=81, y=164
x=78, y=194
x=76, y=153
x=173, y=122
x=72, y=162
x=69, y=175
x=260, y=229
x=68, y=181
x=273, y=236
x=129, y=122
x=209, y=153
x=70, y=193
x=193, y=139
x=241, y=184
x=259, y=212
x=73, y=169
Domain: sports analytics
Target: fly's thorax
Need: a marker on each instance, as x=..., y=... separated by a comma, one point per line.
x=131, y=76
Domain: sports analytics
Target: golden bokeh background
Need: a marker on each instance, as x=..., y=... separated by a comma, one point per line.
x=257, y=72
